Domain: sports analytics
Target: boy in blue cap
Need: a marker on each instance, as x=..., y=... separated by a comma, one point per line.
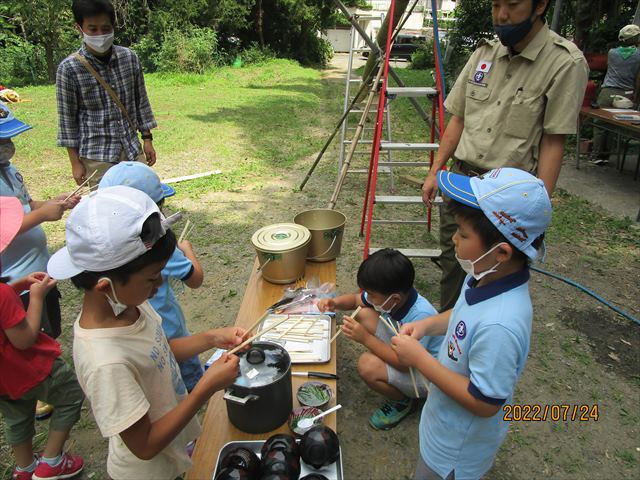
x=182, y=265
x=501, y=218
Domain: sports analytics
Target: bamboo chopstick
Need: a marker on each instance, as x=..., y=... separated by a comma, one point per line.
x=353, y=315
x=184, y=230
x=295, y=324
x=80, y=187
x=261, y=332
x=395, y=331
x=257, y=322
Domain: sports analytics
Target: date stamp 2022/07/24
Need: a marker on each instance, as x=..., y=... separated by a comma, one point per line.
x=561, y=412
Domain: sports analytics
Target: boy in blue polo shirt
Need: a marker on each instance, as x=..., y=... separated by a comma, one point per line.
x=501, y=219
x=183, y=264
x=386, y=279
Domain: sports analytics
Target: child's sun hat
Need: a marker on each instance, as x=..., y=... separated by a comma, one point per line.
x=10, y=126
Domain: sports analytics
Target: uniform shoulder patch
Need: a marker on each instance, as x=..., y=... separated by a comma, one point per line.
x=569, y=46
x=485, y=42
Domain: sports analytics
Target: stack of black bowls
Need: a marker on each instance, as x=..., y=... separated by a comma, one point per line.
x=239, y=464
x=281, y=455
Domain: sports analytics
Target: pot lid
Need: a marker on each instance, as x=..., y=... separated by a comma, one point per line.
x=263, y=364
x=281, y=237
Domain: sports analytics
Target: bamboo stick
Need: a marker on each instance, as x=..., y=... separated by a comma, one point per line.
x=353, y=315
x=257, y=322
x=184, y=231
x=80, y=187
x=260, y=333
x=395, y=331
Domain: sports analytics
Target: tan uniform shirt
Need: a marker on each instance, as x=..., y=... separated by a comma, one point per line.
x=508, y=101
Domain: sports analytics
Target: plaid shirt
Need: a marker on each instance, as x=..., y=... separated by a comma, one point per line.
x=88, y=119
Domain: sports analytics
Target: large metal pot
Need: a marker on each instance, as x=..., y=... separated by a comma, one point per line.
x=282, y=251
x=260, y=399
x=327, y=228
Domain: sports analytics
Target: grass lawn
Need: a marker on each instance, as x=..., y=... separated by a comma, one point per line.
x=262, y=126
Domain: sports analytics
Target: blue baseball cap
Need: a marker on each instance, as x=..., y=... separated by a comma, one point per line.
x=139, y=176
x=10, y=126
x=515, y=202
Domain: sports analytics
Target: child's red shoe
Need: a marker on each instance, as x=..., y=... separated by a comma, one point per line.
x=67, y=467
x=21, y=475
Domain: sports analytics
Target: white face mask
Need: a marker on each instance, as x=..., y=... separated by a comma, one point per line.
x=380, y=309
x=468, y=265
x=99, y=43
x=116, y=306
x=7, y=151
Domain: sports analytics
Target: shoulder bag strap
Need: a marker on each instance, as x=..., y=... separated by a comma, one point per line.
x=106, y=86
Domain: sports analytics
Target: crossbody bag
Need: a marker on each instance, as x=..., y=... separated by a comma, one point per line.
x=109, y=90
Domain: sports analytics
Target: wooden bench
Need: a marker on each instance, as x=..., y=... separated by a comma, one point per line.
x=216, y=428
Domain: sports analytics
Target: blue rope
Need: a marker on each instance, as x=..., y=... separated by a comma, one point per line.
x=436, y=39
x=588, y=292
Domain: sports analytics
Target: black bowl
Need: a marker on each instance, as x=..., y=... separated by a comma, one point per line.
x=320, y=447
x=242, y=458
x=279, y=462
x=280, y=441
x=314, y=476
x=233, y=473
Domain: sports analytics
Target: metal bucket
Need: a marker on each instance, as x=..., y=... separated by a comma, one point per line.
x=282, y=250
x=327, y=228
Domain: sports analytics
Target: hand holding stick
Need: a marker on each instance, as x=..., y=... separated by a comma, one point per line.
x=394, y=330
x=80, y=187
x=353, y=315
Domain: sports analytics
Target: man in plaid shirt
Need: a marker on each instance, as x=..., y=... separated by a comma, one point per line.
x=91, y=126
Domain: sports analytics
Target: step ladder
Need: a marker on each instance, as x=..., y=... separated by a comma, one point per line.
x=355, y=48
x=434, y=95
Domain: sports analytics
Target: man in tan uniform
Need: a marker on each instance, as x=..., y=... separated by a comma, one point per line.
x=512, y=106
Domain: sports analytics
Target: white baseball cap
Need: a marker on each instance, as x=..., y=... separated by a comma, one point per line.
x=515, y=202
x=103, y=232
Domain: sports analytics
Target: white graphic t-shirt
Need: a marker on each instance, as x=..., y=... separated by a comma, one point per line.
x=127, y=372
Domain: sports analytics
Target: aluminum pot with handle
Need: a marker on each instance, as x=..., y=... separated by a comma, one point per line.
x=260, y=399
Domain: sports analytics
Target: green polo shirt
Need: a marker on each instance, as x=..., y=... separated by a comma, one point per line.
x=508, y=101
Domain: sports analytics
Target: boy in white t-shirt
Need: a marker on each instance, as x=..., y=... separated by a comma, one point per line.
x=501, y=218
x=117, y=245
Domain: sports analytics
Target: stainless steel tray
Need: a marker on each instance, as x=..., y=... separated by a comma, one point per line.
x=307, y=342
x=332, y=472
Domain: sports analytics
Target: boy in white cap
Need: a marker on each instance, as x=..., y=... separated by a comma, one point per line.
x=501, y=218
x=117, y=243
x=31, y=368
x=183, y=264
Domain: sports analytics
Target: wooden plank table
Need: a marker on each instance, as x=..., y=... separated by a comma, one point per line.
x=609, y=123
x=216, y=428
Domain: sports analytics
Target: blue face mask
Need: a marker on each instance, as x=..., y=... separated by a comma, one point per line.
x=511, y=34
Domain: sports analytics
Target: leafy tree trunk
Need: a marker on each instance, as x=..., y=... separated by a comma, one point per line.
x=381, y=39
x=557, y=11
x=260, y=23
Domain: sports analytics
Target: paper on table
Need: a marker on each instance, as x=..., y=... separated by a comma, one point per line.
x=620, y=110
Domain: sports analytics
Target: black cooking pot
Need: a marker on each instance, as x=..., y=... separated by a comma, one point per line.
x=260, y=399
